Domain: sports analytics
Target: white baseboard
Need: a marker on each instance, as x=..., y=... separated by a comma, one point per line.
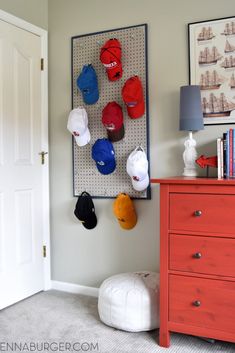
x=75, y=288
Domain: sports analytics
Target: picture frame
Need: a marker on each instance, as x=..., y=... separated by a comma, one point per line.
x=211, y=46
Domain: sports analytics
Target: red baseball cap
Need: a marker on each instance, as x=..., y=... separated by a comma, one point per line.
x=112, y=118
x=133, y=96
x=110, y=56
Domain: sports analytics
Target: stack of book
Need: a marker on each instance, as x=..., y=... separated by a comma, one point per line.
x=226, y=155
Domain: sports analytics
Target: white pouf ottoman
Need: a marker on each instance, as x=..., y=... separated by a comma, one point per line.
x=130, y=301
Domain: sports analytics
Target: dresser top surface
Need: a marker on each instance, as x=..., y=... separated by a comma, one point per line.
x=193, y=181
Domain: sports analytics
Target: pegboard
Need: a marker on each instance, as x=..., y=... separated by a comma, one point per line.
x=86, y=50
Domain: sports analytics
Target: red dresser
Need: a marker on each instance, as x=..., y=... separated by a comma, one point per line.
x=197, y=258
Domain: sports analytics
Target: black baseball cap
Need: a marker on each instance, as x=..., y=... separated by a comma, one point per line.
x=85, y=211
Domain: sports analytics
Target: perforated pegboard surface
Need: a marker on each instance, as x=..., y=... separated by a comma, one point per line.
x=86, y=50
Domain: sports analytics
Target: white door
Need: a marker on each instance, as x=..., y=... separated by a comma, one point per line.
x=21, y=193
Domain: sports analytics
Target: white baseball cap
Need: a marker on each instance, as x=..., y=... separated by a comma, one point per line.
x=137, y=168
x=78, y=126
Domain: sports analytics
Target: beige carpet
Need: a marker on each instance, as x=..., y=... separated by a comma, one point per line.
x=50, y=320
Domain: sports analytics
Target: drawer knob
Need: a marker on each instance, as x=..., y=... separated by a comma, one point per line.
x=197, y=303
x=197, y=213
x=197, y=255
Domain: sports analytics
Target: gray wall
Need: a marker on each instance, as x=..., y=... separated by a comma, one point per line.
x=33, y=11
x=88, y=257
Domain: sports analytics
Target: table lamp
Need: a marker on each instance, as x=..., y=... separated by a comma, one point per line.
x=191, y=119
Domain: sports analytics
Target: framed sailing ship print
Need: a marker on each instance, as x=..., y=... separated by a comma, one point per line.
x=212, y=67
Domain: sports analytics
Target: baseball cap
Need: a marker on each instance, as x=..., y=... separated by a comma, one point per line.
x=137, y=168
x=110, y=56
x=87, y=82
x=85, y=211
x=124, y=210
x=78, y=126
x=112, y=118
x=104, y=156
x=132, y=94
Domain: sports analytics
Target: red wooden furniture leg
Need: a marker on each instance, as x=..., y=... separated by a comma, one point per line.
x=164, y=338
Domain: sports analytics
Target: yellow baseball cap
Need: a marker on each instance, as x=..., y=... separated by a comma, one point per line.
x=124, y=210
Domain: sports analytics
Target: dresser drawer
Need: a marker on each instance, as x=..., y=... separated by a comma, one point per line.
x=206, y=255
x=202, y=212
x=202, y=302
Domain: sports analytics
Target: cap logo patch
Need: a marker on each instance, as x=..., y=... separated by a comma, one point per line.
x=131, y=104
x=75, y=133
x=135, y=178
x=100, y=163
x=111, y=65
x=110, y=126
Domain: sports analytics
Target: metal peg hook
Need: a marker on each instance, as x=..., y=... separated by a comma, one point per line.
x=139, y=147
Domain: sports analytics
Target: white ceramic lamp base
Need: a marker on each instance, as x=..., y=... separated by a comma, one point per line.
x=189, y=156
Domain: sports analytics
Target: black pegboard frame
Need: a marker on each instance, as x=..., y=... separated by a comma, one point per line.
x=87, y=177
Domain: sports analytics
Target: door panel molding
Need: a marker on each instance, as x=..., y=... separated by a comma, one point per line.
x=23, y=71
x=24, y=230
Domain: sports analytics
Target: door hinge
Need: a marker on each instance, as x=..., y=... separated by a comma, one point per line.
x=44, y=251
x=42, y=64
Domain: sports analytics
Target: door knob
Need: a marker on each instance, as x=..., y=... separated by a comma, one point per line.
x=197, y=213
x=42, y=154
x=197, y=303
x=197, y=255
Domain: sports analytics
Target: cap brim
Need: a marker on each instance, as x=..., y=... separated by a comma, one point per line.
x=90, y=222
x=115, y=73
x=84, y=139
x=116, y=135
x=91, y=98
x=137, y=111
x=107, y=168
x=141, y=185
x=128, y=224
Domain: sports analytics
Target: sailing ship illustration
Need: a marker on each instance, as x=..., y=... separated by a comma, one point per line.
x=229, y=48
x=232, y=81
x=229, y=29
x=229, y=62
x=209, y=57
x=210, y=80
x=216, y=106
x=205, y=34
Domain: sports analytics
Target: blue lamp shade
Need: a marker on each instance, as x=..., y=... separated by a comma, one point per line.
x=191, y=115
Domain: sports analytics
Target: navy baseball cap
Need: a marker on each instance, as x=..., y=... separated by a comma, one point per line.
x=87, y=82
x=104, y=155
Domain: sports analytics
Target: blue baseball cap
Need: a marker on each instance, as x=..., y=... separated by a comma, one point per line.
x=104, y=155
x=88, y=84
